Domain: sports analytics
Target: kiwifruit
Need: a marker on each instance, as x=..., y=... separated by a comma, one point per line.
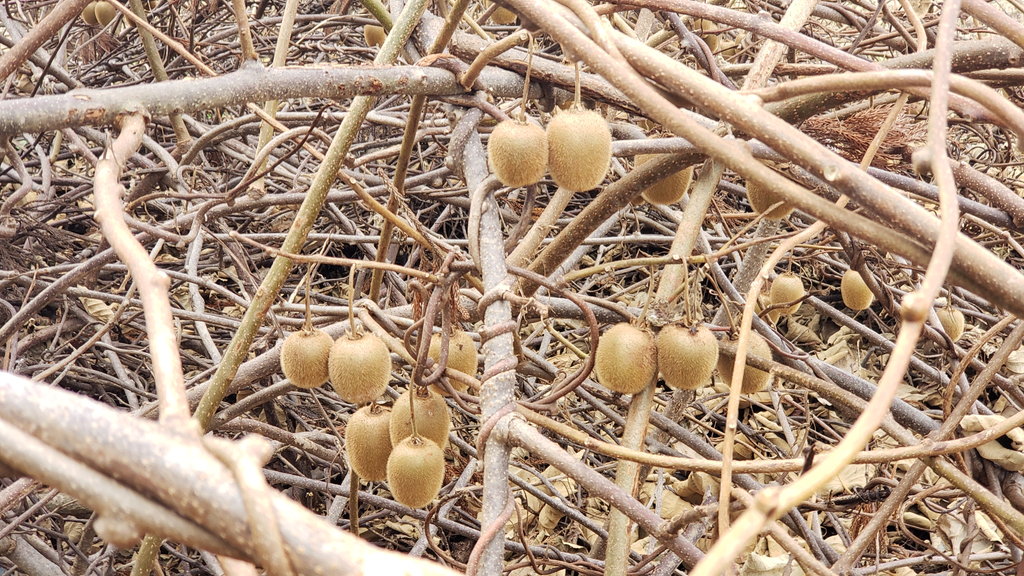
x=105, y=13
x=89, y=14
x=518, y=152
x=762, y=199
x=461, y=355
x=304, y=357
x=856, y=294
x=360, y=367
x=686, y=356
x=432, y=417
x=416, y=471
x=503, y=17
x=754, y=380
x=787, y=287
x=579, y=149
x=953, y=322
x=668, y=190
x=374, y=35
x=626, y=359
x=368, y=442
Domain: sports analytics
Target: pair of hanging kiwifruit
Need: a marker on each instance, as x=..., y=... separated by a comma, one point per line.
x=98, y=13
x=576, y=148
x=627, y=358
x=358, y=366
x=381, y=445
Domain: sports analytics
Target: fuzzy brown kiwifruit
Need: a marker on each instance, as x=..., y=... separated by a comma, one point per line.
x=89, y=14
x=856, y=294
x=304, y=357
x=579, y=149
x=953, y=322
x=374, y=35
x=503, y=17
x=762, y=199
x=461, y=356
x=754, y=380
x=626, y=359
x=360, y=367
x=686, y=356
x=368, y=442
x=416, y=471
x=105, y=13
x=787, y=287
x=518, y=153
x=668, y=190
x=433, y=420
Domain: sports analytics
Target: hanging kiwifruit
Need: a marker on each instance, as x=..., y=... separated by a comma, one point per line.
x=105, y=13
x=304, y=357
x=579, y=149
x=503, y=17
x=686, y=356
x=360, y=367
x=953, y=322
x=432, y=417
x=754, y=380
x=787, y=287
x=461, y=355
x=856, y=294
x=518, y=152
x=89, y=14
x=416, y=471
x=368, y=442
x=762, y=199
x=668, y=190
x=626, y=359
x=374, y=35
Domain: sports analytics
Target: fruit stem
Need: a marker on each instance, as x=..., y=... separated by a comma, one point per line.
x=351, y=306
x=353, y=486
x=526, y=81
x=353, y=501
x=412, y=407
x=578, y=102
x=307, y=324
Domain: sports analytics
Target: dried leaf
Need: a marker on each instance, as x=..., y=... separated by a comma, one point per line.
x=98, y=309
x=1015, y=362
x=1010, y=458
x=762, y=565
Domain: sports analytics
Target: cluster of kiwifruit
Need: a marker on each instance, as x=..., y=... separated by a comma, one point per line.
x=98, y=13
x=381, y=445
x=576, y=148
x=628, y=358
